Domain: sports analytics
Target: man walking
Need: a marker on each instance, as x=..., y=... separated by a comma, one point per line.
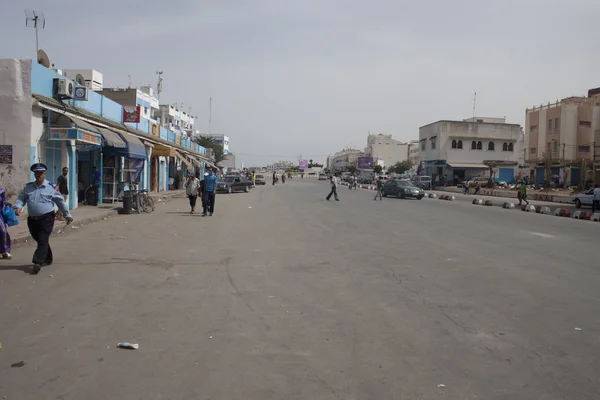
x=63, y=188
x=274, y=178
x=40, y=197
x=524, y=193
x=191, y=189
x=596, y=199
x=333, y=192
x=379, y=189
x=210, y=185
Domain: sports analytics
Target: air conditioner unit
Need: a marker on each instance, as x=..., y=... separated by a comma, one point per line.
x=65, y=88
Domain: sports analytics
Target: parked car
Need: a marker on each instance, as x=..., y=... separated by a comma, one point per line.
x=322, y=176
x=584, y=199
x=402, y=188
x=483, y=182
x=231, y=184
x=260, y=180
x=423, y=181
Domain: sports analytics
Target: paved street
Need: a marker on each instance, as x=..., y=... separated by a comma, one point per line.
x=283, y=295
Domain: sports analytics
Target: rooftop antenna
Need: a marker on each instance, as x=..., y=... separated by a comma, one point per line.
x=210, y=115
x=474, y=103
x=129, y=76
x=159, y=86
x=35, y=19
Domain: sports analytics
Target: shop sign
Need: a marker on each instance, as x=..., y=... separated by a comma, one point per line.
x=75, y=134
x=131, y=114
x=6, y=154
x=162, y=151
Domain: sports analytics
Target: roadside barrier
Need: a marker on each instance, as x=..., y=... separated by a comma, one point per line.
x=596, y=217
x=508, y=205
x=477, y=202
x=543, y=210
x=586, y=215
x=562, y=212
x=488, y=203
x=528, y=208
x=432, y=196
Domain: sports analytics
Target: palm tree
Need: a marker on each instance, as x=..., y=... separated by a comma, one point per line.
x=205, y=141
x=218, y=153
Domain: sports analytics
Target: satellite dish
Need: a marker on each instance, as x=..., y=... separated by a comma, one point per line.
x=80, y=79
x=42, y=58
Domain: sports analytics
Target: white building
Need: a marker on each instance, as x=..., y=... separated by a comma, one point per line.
x=175, y=120
x=223, y=140
x=93, y=79
x=413, y=155
x=343, y=159
x=384, y=148
x=463, y=149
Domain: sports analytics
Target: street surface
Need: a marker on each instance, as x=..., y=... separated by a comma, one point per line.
x=283, y=295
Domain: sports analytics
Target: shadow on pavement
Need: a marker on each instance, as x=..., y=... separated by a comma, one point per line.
x=25, y=268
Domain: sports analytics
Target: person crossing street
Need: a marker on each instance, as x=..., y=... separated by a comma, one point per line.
x=210, y=186
x=333, y=181
x=40, y=196
x=379, y=189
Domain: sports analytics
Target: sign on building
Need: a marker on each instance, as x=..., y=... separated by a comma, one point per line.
x=303, y=164
x=365, y=163
x=131, y=114
x=6, y=154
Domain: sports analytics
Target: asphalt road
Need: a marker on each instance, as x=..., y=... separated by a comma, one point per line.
x=283, y=295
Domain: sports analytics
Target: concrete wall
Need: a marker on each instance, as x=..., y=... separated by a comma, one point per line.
x=15, y=123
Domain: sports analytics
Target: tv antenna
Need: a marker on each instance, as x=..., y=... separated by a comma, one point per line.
x=474, y=103
x=35, y=19
x=129, y=76
x=159, y=86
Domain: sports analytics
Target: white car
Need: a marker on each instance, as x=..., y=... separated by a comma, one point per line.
x=584, y=199
x=322, y=176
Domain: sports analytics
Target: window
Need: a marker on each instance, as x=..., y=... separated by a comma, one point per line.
x=459, y=146
x=423, y=145
x=479, y=145
x=550, y=124
x=473, y=145
x=505, y=147
x=585, y=124
x=556, y=123
x=454, y=144
x=533, y=128
x=433, y=144
x=555, y=146
x=532, y=150
x=511, y=147
x=584, y=149
x=549, y=147
x=491, y=146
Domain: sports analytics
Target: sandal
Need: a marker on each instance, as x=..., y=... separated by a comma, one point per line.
x=7, y=256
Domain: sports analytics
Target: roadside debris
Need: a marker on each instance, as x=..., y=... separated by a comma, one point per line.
x=441, y=385
x=128, y=346
x=577, y=329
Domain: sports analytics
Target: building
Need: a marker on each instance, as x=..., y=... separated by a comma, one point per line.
x=384, y=148
x=341, y=160
x=228, y=163
x=413, y=155
x=92, y=78
x=176, y=120
x=223, y=140
x=460, y=150
x=38, y=125
x=566, y=134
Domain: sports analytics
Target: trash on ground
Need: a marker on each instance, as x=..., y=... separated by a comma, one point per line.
x=74, y=227
x=104, y=219
x=51, y=276
x=0, y=346
x=441, y=385
x=577, y=329
x=210, y=337
x=249, y=206
x=129, y=346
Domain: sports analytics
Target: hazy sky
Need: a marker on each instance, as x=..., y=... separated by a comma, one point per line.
x=310, y=77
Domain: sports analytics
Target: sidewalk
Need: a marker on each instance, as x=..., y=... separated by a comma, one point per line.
x=531, y=194
x=84, y=215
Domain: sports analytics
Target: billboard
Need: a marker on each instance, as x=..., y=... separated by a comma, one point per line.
x=131, y=114
x=365, y=163
x=303, y=164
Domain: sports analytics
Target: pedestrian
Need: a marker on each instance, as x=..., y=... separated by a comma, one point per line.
x=274, y=178
x=4, y=236
x=192, y=186
x=524, y=194
x=333, y=181
x=283, y=178
x=379, y=193
x=40, y=196
x=210, y=185
x=355, y=182
x=466, y=188
x=519, y=197
x=203, y=191
x=253, y=179
x=63, y=188
x=596, y=199
x=477, y=188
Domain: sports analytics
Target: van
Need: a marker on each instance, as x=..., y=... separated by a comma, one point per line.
x=322, y=176
x=422, y=181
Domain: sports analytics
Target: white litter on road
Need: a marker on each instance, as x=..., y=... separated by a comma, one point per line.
x=544, y=235
x=577, y=329
x=441, y=385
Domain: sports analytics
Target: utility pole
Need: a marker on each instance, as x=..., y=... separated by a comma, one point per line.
x=474, y=103
x=159, y=86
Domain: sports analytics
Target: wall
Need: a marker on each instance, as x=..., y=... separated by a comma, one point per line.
x=425, y=133
x=15, y=123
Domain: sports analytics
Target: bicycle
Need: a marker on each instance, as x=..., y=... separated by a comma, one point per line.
x=142, y=201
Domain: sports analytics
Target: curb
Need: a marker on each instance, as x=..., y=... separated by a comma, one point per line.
x=25, y=238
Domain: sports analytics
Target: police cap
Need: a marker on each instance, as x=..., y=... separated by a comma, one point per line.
x=38, y=167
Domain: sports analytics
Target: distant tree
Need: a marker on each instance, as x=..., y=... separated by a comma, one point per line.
x=352, y=169
x=400, y=167
x=378, y=169
x=317, y=165
x=546, y=160
x=218, y=153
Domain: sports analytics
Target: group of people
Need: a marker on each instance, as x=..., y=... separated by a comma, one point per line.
x=204, y=188
x=40, y=198
x=353, y=184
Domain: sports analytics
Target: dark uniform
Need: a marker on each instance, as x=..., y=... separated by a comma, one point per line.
x=40, y=201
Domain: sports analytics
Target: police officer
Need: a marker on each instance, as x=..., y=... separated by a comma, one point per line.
x=40, y=197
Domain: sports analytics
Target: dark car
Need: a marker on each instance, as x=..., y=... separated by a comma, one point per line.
x=402, y=189
x=231, y=184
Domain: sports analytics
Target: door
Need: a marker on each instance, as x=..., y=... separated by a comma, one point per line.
x=390, y=188
x=507, y=175
x=53, y=160
x=154, y=175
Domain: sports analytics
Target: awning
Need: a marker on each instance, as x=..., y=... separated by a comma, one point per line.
x=468, y=166
x=111, y=138
x=183, y=159
x=135, y=147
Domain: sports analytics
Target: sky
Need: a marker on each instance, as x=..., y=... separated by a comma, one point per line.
x=307, y=77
